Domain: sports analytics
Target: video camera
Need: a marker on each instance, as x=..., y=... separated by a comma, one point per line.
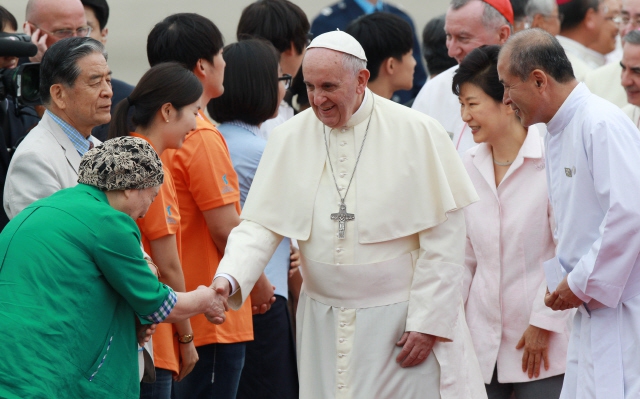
x=21, y=83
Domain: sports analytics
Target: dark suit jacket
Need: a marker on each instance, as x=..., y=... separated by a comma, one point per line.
x=339, y=15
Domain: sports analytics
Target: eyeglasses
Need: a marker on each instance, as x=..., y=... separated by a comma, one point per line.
x=559, y=16
x=83, y=31
x=625, y=19
x=286, y=78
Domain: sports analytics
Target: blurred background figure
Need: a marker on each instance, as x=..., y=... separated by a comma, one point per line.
x=97, y=14
x=631, y=75
x=519, y=15
x=434, y=47
x=164, y=107
x=605, y=81
x=387, y=41
x=521, y=344
x=582, y=24
x=48, y=21
x=254, y=86
x=543, y=14
x=607, y=42
x=286, y=26
x=340, y=14
x=8, y=24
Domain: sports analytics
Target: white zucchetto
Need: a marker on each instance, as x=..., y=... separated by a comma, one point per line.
x=338, y=40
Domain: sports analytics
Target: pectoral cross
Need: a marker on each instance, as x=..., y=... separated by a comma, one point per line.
x=342, y=217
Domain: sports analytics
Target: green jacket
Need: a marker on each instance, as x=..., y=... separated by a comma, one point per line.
x=72, y=279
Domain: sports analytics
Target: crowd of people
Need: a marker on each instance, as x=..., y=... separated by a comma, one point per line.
x=343, y=222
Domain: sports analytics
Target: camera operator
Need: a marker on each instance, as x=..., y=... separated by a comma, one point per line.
x=15, y=119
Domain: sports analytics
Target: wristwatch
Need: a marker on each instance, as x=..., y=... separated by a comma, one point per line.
x=185, y=339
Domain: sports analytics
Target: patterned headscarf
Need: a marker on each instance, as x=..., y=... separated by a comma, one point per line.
x=122, y=163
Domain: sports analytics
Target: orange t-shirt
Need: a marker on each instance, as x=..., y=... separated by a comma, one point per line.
x=162, y=219
x=205, y=179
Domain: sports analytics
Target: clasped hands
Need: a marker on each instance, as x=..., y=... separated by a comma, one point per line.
x=562, y=298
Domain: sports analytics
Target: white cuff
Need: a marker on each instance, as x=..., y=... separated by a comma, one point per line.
x=232, y=281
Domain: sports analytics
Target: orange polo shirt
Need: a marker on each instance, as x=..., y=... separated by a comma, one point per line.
x=162, y=219
x=205, y=179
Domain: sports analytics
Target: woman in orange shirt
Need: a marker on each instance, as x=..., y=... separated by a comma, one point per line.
x=164, y=107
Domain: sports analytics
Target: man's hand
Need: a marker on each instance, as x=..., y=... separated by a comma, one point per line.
x=188, y=359
x=144, y=332
x=294, y=263
x=562, y=298
x=416, y=347
x=535, y=342
x=37, y=38
x=217, y=305
x=262, y=296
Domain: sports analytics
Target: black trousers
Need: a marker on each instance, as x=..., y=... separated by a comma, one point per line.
x=270, y=370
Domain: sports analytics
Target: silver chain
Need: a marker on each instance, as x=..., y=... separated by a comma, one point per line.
x=326, y=144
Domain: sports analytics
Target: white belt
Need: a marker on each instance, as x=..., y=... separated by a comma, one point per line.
x=359, y=286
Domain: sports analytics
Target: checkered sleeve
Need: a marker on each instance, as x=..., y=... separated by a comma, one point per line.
x=163, y=311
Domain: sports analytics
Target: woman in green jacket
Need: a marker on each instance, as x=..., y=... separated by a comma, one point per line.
x=73, y=279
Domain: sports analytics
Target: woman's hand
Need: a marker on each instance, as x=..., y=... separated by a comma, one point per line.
x=294, y=261
x=144, y=332
x=188, y=359
x=262, y=296
x=535, y=342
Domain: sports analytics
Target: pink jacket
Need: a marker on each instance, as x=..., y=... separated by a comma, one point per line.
x=509, y=236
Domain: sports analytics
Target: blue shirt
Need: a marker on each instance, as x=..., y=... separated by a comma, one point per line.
x=246, y=148
x=81, y=143
x=367, y=7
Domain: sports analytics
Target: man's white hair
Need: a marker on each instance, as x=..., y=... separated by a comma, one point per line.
x=543, y=7
x=353, y=64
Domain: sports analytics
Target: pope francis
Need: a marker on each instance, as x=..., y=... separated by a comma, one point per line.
x=373, y=192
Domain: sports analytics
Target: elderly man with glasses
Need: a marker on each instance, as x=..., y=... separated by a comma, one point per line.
x=605, y=81
x=48, y=21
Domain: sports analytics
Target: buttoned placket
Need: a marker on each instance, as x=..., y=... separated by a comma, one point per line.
x=343, y=149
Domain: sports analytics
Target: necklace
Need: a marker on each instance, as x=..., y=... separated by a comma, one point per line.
x=502, y=163
x=342, y=216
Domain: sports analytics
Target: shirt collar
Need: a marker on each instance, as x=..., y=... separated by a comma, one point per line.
x=252, y=128
x=568, y=109
x=591, y=57
x=81, y=143
x=361, y=113
x=367, y=7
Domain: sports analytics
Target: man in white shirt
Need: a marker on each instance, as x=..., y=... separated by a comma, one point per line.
x=592, y=150
x=581, y=27
x=468, y=24
x=605, y=81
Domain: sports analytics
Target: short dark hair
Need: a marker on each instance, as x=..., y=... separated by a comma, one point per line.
x=519, y=9
x=480, y=68
x=100, y=9
x=434, y=46
x=537, y=49
x=7, y=19
x=60, y=62
x=167, y=82
x=381, y=35
x=632, y=37
x=184, y=38
x=279, y=21
x=250, y=83
x=574, y=12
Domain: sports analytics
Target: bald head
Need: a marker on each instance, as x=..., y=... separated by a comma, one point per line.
x=53, y=15
x=532, y=49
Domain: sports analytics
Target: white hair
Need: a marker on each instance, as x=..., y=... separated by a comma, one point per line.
x=491, y=18
x=544, y=7
x=353, y=63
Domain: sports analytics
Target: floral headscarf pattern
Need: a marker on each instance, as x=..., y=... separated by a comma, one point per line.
x=122, y=163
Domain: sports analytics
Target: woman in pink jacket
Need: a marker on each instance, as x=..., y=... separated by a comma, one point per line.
x=521, y=344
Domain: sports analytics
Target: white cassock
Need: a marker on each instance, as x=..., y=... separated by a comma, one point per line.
x=583, y=59
x=437, y=100
x=592, y=154
x=399, y=267
x=606, y=83
x=633, y=112
x=285, y=112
